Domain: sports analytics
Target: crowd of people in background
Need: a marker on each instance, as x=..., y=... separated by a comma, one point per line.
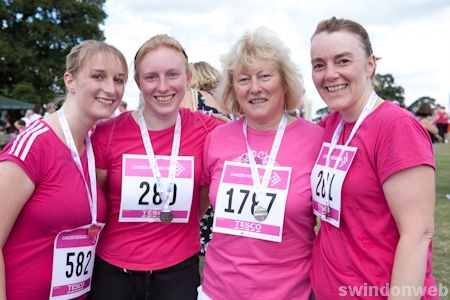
x=219, y=164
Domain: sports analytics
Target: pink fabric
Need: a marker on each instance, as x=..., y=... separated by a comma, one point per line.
x=361, y=252
x=245, y=268
x=59, y=202
x=441, y=118
x=148, y=246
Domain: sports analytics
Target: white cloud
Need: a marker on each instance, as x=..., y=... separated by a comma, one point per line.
x=412, y=37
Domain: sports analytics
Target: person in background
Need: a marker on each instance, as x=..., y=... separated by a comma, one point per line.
x=263, y=228
x=37, y=113
x=50, y=211
x=149, y=162
x=424, y=113
x=123, y=107
x=373, y=182
x=205, y=79
x=441, y=121
x=197, y=98
x=27, y=117
x=19, y=125
x=50, y=108
x=4, y=136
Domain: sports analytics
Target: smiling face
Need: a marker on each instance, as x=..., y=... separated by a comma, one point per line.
x=98, y=87
x=341, y=72
x=259, y=90
x=162, y=79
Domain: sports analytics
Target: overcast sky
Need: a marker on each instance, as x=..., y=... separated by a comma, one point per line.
x=412, y=37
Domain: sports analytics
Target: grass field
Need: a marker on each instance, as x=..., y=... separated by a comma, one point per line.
x=441, y=244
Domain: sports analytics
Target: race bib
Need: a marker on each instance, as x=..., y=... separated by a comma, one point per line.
x=140, y=200
x=73, y=262
x=326, y=183
x=236, y=202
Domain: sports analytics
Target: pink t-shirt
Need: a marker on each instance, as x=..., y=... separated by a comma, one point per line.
x=143, y=245
x=361, y=252
x=59, y=202
x=246, y=268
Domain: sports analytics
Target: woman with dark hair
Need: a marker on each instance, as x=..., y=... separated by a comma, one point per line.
x=373, y=181
x=424, y=113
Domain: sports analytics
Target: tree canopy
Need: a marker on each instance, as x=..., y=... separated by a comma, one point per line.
x=386, y=88
x=413, y=107
x=35, y=37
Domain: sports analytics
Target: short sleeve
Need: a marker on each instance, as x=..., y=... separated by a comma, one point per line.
x=29, y=150
x=403, y=144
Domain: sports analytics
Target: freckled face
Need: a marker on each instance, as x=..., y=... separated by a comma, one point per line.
x=162, y=80
x=341, y=71
x=259, y=91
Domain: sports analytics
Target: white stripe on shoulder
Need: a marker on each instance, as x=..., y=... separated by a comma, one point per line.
x=24, y=137
x=30, y=142
x=20, y=136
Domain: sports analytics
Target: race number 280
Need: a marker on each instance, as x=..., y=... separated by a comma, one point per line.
x=156, y=198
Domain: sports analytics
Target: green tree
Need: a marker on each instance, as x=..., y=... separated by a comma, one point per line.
x=35, y=37
x=386, y=88
x=415, y=105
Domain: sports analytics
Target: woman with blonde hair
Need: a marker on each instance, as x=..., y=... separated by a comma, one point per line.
x=51, y=209
x=258, y=170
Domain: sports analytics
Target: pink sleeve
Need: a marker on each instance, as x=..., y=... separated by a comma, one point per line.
x=29, y=155
x=402, y=144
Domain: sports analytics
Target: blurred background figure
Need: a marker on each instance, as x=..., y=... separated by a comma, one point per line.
x=19, y=125
x=37, y=113
x=4, y=136
x=123, y=107
x=32, y=115
x=27, y=117
x=199, y=94
x=424, y=115
x=50, y=108
x=205, y=77
x=441, y=121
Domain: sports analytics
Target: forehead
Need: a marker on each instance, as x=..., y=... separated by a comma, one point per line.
x=326, y=44
x=105, y=61
x=163, y=58
x=256, y=65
